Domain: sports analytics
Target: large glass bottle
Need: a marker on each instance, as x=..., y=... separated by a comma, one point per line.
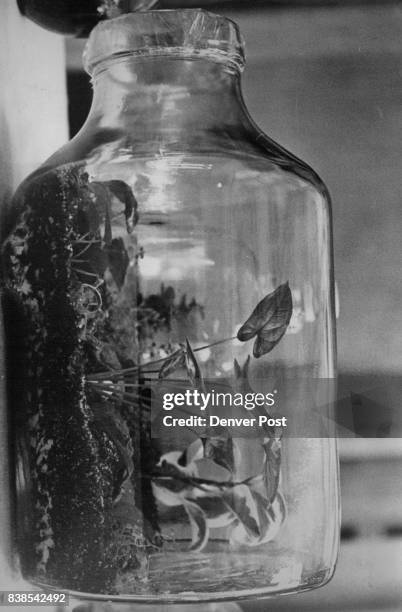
x=171, y=252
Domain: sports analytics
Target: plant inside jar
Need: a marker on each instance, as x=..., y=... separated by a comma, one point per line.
x=91, y=355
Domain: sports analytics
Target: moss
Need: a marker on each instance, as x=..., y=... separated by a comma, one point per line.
x=71, y=493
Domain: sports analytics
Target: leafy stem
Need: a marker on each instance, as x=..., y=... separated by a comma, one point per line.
x=267, y=324
x=143, y=368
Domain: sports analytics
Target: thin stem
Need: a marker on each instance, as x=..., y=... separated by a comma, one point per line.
x=128, y=402
x=110, y=393
x=132, y=370
x=106, y=385
x=79, y=271
x=83, y=239
x=112, y=375
x=207, y=346
x=142, y=368
x=197, y=482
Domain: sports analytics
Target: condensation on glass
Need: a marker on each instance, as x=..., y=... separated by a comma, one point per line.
x=171, y=246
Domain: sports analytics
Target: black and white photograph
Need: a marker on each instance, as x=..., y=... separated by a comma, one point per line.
x=201, y=305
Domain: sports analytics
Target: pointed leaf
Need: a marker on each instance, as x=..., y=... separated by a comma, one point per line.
x=272, y=448
x=123, y=192
x=241, y=503
x=241, y=381
x=102, y=203
x=268, y=321
x=193, y=452
x=118, y=260
x=192, y=367
x=106, y=190
x=199, y=526
x=270, y=519
x=220, y=450
x=267, y=339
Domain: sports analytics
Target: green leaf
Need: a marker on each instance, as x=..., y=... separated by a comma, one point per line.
x=268, y=321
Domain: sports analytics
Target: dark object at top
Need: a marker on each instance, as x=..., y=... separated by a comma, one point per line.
x=77, y=17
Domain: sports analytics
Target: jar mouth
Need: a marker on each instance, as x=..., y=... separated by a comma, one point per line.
x=184, y=33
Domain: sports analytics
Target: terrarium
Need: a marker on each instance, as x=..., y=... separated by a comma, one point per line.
x=170, y=256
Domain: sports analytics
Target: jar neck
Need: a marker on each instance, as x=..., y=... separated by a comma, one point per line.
x=167, y=94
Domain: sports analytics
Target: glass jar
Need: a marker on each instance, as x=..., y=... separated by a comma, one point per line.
x=168, y=269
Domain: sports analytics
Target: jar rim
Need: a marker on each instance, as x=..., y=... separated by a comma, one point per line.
x=179, y=33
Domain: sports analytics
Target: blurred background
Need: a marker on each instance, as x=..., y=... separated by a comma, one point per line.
x=323, y=78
